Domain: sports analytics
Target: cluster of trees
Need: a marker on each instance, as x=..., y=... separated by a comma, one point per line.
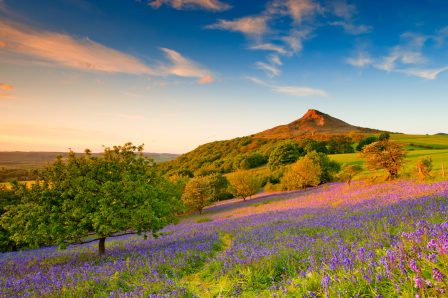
x=95, y=197
x=13, y=174
x=249, y=152
x=201, y=191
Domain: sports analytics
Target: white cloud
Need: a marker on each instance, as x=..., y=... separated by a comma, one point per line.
x=270, y=70
x=269, y=47
x=275, y=59
x=351, y=28
x=183, y=67
x=361, y=60
x=254, y=27
x=429, y=74
x=295, y=39
x=211, y=5
x=290, y=90
x=399, y=55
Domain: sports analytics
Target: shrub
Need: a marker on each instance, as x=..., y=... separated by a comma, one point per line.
x=304, y=173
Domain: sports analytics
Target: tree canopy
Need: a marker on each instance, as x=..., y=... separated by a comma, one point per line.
x=103, y=196
x=384, y=154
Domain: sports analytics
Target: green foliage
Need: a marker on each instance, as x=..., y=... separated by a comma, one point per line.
x=340, y=144
x=304, y=173
x=329, y=168
x=385, y=154
x=310, y=145
x=253, y=160
x=366, y=141
x=118, y=191
x=384, y=136
x=197, y=193
x=219, y=186
x=424, y=167
x=348, y=172
x=8, y=196
x=284, y=154
x=244, y=184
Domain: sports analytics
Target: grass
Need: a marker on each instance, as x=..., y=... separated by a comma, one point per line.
x=417, y=142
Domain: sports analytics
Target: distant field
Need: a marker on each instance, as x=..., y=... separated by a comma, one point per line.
x=422, y=141
x=33, y=160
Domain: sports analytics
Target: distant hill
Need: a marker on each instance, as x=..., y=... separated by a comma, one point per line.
x=313, y=124
x=441, y=134
x=254, y=150
x=22, y=160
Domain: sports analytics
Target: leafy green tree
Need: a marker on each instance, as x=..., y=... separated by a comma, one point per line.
x=197, y=193
x=244, y=184
x=219, y=186
x=329, y=168
x=340, y=144
x=424, y=167
x=304, y=173
x=385, y=154
x=8, y=196
x=310, y=145
x=348, y=172
x=117, y=193
x=384, y=136
x=285, y=153
x=253, y=160
x=366, y=141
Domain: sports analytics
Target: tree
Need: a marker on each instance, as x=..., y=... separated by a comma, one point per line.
x=244, y=184
x=285, y=153
x=329, y=168
x=219, y=186
x=366, y=141
x=8, y=196
x=304, y=173
x=384, y=136
x=385, y=154
x=340, y=144
x=348, y=172
x=310, y=145
x=197, y=193
x=120, y=192
x=424, y=167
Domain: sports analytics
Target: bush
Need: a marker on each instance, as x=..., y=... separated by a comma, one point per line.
x=424, y=167
x=304, y=173
x=284, y=154
x=329, y=168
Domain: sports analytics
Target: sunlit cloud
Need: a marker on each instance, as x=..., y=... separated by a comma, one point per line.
x=298, y=10
x=64, y=50
x=400, y=55
x=5, y=87
x=275, y=59
x=58, y=49
x=299, y=91
x=253, y=27
x=6, y=96
x=183, y=67
x=211, y=5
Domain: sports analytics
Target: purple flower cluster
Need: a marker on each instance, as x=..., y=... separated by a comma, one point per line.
x=379, y=240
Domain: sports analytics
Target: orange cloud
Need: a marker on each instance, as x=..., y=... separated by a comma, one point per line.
x=62, y=49
x=5, y=95
x=183, y=67
x=2, y=44
x=6, y=87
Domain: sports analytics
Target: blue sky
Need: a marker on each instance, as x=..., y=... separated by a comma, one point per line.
x=174, y=74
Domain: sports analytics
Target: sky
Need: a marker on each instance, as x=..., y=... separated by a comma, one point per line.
x=174, y=74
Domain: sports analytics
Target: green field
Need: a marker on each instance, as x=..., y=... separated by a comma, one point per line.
x=417, y=146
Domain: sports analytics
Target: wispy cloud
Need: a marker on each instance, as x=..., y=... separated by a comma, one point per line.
x=183, y=67
x=429, y=74
x=51, y=48
x=290, y=90
x=270, y=69
x=362, y=59
x=5, y=87
x=298, y=10
x=253, y=26
x=351, y=28
x=269, y=47
x=62, y=49
x=211, y=5
x=342, y=9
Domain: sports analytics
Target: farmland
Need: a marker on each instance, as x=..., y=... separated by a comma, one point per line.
x=380, y=240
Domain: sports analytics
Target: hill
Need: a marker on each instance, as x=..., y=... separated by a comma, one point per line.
x=313, y=124
x=315, y=129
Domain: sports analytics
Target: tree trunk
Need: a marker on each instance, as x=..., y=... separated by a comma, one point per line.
x=102, y=246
